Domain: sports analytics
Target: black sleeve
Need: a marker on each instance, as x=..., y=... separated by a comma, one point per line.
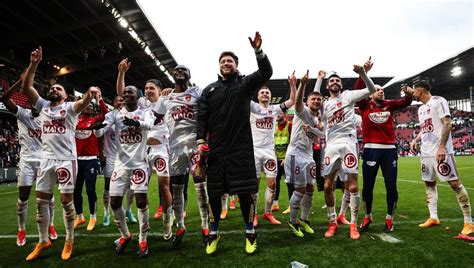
x=258, y=78
x=203, y=114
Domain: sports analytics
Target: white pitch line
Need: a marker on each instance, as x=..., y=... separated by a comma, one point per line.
x=239, y=231
x=389, y=238
x=421, y=182
x=9, y=192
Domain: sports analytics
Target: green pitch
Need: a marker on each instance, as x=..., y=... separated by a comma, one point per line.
x=407, y=246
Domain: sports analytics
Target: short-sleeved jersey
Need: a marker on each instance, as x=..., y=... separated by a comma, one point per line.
x=180, y=110
x=301, y=140
x=131, y=143
x=338, y=116
x=29, y=134
x=430, y=115
x=110, y=142
x=159, y=130
x=262, y=122
x=58, y=124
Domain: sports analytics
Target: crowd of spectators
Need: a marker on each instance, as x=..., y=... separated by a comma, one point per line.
x=9, y=146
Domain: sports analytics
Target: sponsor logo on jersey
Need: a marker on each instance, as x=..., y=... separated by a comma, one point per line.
x=350, y=160
x=336, y=118
x=34, y=133
x=270, y=165
x=138, y=176
x=264, y=123
x=444, y=169
x=183, y=112
x=160, y=164
x=63, y=175
x=130, y=137
x=55, y=126
x=83, y=134
x=379, y=117
x=427, y=125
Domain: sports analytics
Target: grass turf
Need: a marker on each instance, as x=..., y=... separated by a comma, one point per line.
x=432, y=247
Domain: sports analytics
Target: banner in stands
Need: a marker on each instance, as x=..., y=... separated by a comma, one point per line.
x=7, y=174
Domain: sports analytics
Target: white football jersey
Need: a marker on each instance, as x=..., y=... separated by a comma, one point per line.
x=58, y=126
x=301, y=140
x=131, y=141
x=262, y=122
x=430, y=115
x=110, y=142
x=159, y=130
x=180, y=110
x=338, y=116
x=29, y=134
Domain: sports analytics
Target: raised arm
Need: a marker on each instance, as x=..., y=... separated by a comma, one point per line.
x=291, y=100
x=123, y=67
x=264, y=72
x=319, y=81
x=81, y=104
x=102, y=107
x=27, y=85
x=299, y=105
x=7, y=94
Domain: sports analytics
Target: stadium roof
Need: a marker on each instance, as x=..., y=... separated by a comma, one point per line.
x=84, y=40
x=453, y=78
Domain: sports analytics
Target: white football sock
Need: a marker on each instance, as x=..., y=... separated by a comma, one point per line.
x=106, y=200
x=354, y=204
x=295, y=202
x=119, y=216
x=269, y=196
x=42, y=219
x=463, y=200
x=21, y=211
x=306, y=204
x=346, y=199
x=432, y=199
x=203, y=202
x=68, y=217
x=143, y=222
x=178, y=204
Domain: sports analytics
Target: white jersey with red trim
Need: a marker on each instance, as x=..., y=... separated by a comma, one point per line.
x=131, y=141
x=160, y=130
x=110, y=141
x=339, y=114
x=301, y=140
x=58, y=124
x=262, y=122
x=29, y=134
x=430, y=115
x=180, y=110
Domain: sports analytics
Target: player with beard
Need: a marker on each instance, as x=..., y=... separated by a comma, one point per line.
x=378, y=133
x=437, y=154
x=58, y=161
x=224, y=120
x=262, y=121
x=157, y=141
x=132, y=124
x=87, y=146
x=29, y=136
x=180, y=108
x=341, y=152
x=300, y=168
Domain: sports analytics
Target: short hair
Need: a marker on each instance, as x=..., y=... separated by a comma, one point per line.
x=264, y=87
x=156, y=82
x=229, y=53
x=313, y=93
x=181, y=66
x=334, y=75
x=134, y=88
x=423, y=84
